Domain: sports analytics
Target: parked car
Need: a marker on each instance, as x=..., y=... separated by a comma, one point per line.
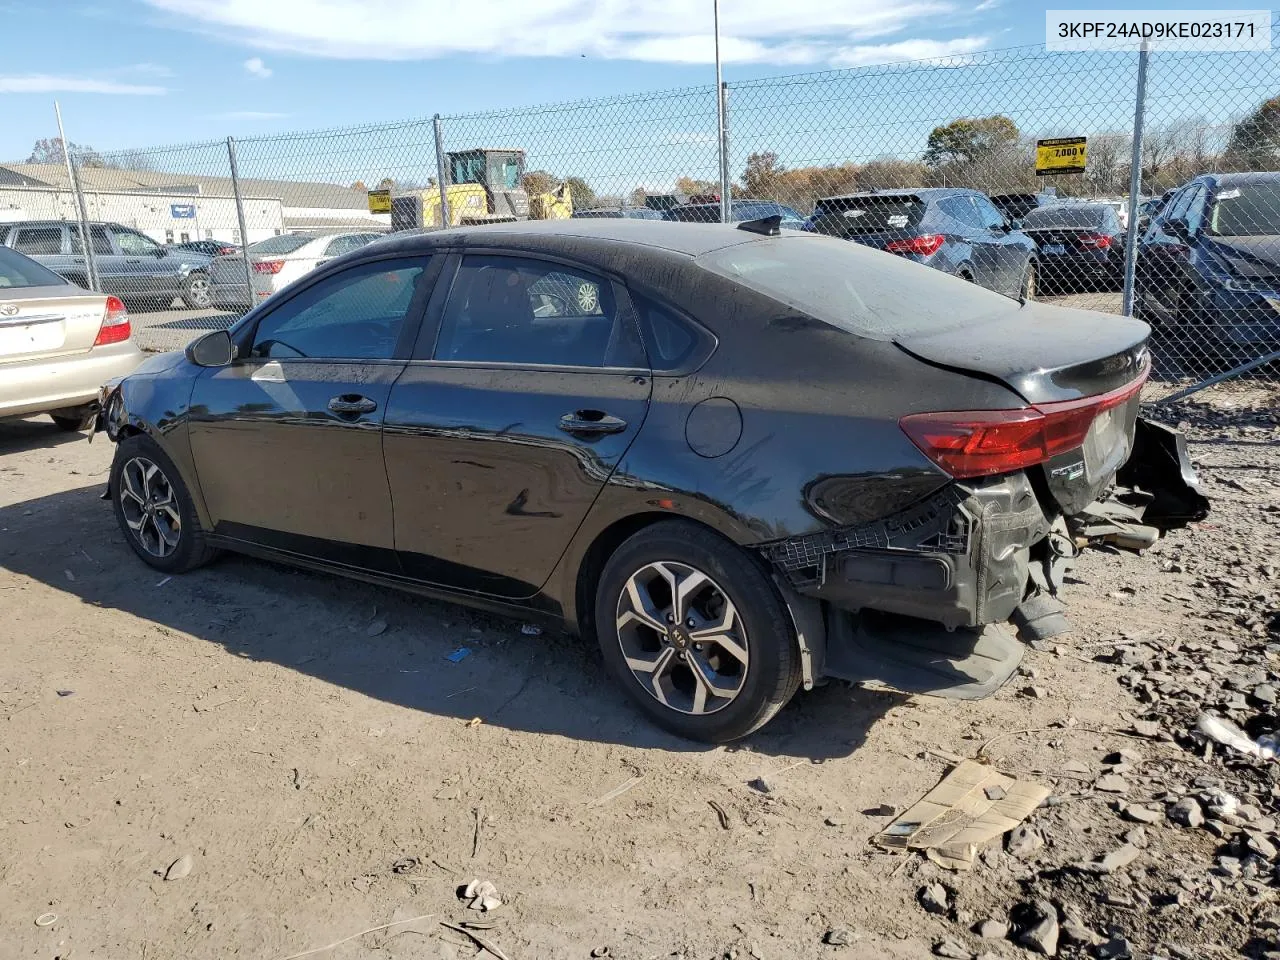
x=130, y=264
x=58, y=343
x=1015, y=206
x=738, y=457
x=956, y=231
x=276, y=262
x=619, y=213
x=739, y=211
x=1079, y=246
x=1210, y=262
x=210, y=248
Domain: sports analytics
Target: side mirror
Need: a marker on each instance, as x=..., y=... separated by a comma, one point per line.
x=214, y=349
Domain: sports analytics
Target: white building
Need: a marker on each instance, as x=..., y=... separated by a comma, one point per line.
x=176, y=207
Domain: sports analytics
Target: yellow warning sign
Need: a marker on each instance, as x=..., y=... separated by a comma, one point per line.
x=1059, y=155
x=379, y=201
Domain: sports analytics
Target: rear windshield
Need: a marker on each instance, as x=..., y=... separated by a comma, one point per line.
x=1250, y=210
x=701, y=213
x=856, y=289
x=19, y=271
x=1066, y=216
x=841, y=216
x=286, y=243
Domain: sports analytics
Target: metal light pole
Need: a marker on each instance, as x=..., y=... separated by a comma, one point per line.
x=721, y=138
x=1135, y=184
x=73, y=182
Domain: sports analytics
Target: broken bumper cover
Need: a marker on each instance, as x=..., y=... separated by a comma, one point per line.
x=960, y=558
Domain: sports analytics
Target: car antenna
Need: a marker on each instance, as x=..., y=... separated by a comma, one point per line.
x=765, y=226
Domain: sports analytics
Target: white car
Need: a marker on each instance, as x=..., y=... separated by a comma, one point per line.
x=276, y=262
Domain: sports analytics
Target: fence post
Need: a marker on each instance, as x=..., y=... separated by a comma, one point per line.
x=1135, y=183
x=244, y=229
x=73, y=182
x=721, y=121
x=726, y=187
x=441, y=182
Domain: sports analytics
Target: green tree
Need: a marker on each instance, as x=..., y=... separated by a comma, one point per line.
x=762, y=174
x=539, y=181
x=583, y=196
x=969, y=140
x=1255, y=140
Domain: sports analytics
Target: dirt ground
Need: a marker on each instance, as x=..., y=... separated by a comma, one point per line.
x=326, y=776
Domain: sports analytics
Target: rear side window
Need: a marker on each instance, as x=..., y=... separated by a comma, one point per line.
x=673, y=342
x=286, y=243
x=962, y=209
x=856, y=289
x=842, y=216
x=38, y=241
x=18, y=271
x=101, y=242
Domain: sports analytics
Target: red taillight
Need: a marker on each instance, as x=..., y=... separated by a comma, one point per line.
x=268, y=266
x=226, y=251
x=115, y=324
x=1094, y=241
x=926, y=245
x=979, y=443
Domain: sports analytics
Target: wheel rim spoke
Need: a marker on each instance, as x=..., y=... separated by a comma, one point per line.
x=686, y=589
x=149, y=507
x=642, y=608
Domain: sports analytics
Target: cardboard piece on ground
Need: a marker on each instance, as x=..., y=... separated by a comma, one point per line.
x=954, y=819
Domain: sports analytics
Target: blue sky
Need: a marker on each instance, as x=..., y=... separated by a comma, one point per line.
x=141, y=72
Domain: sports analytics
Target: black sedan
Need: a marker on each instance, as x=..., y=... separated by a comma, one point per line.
x=742, y=459
x=1080, y=246
x=212, y=248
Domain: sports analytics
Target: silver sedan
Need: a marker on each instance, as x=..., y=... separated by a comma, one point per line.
x=58, y=343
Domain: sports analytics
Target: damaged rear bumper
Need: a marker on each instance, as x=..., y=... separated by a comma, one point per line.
x=973, y=555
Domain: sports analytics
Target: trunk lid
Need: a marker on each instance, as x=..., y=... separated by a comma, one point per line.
x=1055, y=357
x=46, y=322
x=872, y=220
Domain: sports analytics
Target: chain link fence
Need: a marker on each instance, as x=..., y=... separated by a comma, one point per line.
x=936, y=160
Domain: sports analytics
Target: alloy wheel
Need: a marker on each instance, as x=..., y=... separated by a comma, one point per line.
x=150, y=508
x=199, y=291
x=682, y=638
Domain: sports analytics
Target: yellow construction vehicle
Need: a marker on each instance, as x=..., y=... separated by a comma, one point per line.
x=483, y=185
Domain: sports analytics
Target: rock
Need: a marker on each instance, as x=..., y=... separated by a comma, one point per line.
x=992, y=929
x=1262, y=846
x=1034, y=693
x=1118, y=859
x=949, y=948
x=1023, y=841
x=995, y=792
x=179, y=868
x=933, y=897
x=1265, y=693
x=1220, y=804
x=1229, y=867
x=375, y=628
x=837, y=937
x=1147, y=728
x=1139, y=814
x=1137, y=837
x=1186, y=812
x=1074, y=930
x=1117, y=948
x=762, y=785
x=1076, y=766
x=1129, y=757
x=835, y=821
x=884, y=810
x=1040, y=933
x=1111, y=783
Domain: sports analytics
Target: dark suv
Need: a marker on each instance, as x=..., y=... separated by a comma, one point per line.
x=130, y=264
x=1209, y=263
x=956, y=231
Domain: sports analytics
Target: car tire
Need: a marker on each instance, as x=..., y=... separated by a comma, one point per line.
x=73, y=419
x=154, y=509
x=197, y=293
x=1027, y=289
x=740, y=642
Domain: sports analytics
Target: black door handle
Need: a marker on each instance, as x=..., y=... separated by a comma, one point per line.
x=352, y=403
x=591, y=423
x=135, y=260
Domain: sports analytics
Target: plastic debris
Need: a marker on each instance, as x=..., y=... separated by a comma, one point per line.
x=531, y=630
x=1223, y=731
x=459, y=655
x=483, y=895
x=46, y=920
x=179, y=868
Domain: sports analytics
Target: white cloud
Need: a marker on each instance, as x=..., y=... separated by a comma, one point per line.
x=148, y=69
x=944, y=52
x=259, y=69
x=796, y=32
x=986, y=5
x=48, y=83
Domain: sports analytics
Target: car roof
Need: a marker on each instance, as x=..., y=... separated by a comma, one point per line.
x=926, y=193
x=1243, y=179
x=568, y=236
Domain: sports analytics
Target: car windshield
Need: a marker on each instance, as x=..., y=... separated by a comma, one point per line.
x=1064, y=216
x=19, y=271
x=869, y=214
x=286, y=243
x=862, y=291
x=1250, y=210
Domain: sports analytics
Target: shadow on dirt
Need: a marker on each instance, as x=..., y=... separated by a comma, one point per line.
x=332, y=629
x=36, y=433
